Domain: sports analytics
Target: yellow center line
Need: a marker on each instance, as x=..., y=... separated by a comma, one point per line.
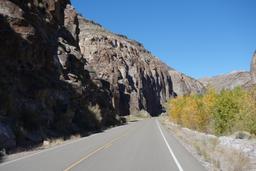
x=105, y=146
x=108, y=146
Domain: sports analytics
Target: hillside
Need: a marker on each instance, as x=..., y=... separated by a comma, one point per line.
x=227, y=81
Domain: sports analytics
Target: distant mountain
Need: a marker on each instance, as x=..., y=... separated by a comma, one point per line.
x=233, y=79
x=227, y=81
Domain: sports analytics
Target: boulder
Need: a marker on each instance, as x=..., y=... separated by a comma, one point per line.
x=242, y=135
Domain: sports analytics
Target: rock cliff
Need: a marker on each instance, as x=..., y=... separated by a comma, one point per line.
x=138, y=79
x=251, y=84
x=184, y=85
x=45, y=89
x=253, y=68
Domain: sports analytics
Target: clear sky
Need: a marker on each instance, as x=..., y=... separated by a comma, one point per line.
x=197, y=37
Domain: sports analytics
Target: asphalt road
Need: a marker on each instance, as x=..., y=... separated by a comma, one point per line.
x=139, y=146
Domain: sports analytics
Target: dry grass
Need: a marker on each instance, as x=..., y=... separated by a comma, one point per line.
x=207, y=149
x=58, y=141
x=240, y=161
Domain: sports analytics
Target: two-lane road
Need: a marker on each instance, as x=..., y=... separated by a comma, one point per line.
x=138, y=146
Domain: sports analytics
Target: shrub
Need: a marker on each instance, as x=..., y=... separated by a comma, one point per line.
x=223, y=113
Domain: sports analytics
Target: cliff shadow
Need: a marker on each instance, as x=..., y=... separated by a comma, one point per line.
x=36, y=104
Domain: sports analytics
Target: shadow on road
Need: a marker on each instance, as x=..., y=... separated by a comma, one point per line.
x=63, y=138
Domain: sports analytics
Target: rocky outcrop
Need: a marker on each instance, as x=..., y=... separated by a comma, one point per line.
x=252, y=82
x=253, y=68
x=185, y=85
x=45, y=89
x=138, y=79
x=227, y=81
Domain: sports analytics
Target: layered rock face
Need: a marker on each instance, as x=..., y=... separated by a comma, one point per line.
x=45, y=89
x=138, y=79
x=184, y=85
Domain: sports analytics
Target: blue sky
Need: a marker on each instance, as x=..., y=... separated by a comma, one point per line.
x=197, y=37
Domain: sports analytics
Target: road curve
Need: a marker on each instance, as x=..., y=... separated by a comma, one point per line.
x=138, y=146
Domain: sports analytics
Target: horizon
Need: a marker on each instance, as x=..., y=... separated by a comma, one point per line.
x=218, y=35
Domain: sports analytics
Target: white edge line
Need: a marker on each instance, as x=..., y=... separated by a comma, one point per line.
x=169, y=148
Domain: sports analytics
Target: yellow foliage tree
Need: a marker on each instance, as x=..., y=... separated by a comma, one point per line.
x=219, y=113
